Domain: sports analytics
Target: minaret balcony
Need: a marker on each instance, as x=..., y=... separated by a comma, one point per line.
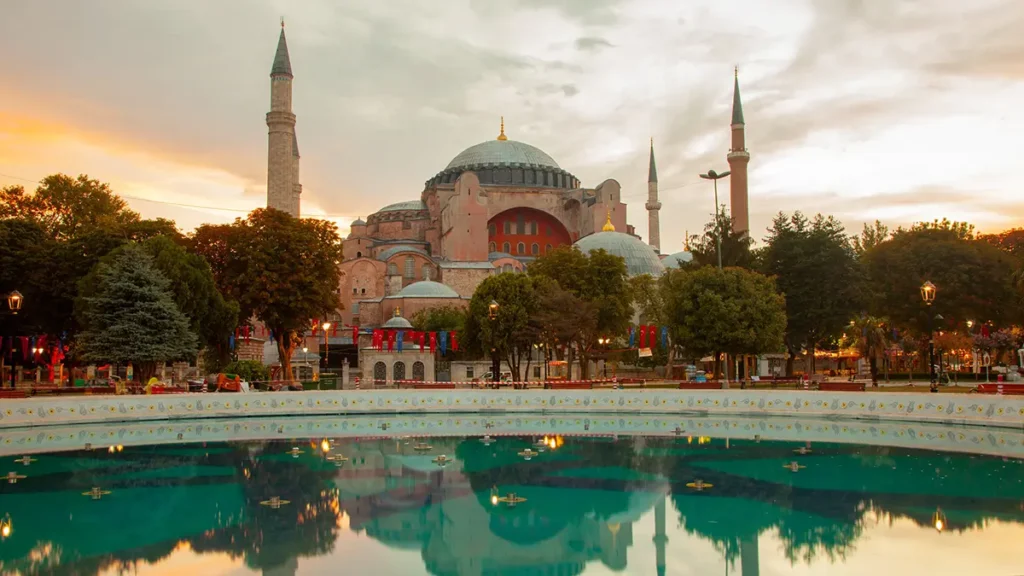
x=279, y=117
x=653, y=205
x=738, y=155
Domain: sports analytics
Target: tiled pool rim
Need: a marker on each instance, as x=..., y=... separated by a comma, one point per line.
x=955, y=409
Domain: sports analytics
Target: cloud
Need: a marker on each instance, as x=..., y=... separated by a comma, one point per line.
x=592, y=44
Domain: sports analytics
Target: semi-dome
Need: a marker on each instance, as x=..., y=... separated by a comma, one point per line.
x=640, y=257
x=677, y=260
x=399, y=206
x=427, y=289
x=397, y=322
x=502, y=153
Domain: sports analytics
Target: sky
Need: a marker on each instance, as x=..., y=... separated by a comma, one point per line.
x=897, y=110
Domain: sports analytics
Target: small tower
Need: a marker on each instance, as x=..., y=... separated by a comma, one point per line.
x=653, y=206
x=738, y=159
x=283, y=187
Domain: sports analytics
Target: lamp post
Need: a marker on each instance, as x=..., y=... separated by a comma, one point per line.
x=928, y=295
x=715, y=177
x=492, y=316
x=327, y=348
x=14, y=302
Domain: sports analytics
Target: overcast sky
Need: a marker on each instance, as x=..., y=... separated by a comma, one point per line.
x=900, y=110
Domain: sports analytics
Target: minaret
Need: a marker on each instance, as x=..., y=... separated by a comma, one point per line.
x=653, y=206
x=660, y=539
x=738, y=159
x=283, y=187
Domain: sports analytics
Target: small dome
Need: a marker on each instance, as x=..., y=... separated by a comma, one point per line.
x=383, y=255
x=359, y=222
x=397, y=322
x=498, y=255
x=677, y=260
x=411, y=205
x=640, y=257
x=502, y=152
x=427, y=289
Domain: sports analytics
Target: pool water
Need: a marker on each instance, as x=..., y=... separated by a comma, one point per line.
x=670, y=504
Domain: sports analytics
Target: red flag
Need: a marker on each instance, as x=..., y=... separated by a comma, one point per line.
x=652, y=332
x=334, y=330
x=24, y=348
x=423, y=340
x=643, y=336
x=455, y=343
x=355, y=335
x=245, y=332
x=433, y=341
x=391, y=340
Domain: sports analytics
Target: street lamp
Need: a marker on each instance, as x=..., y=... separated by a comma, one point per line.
x=492, y=315
x=14, y=301
x=928, y=295
x=715, y=177
x=327, y=349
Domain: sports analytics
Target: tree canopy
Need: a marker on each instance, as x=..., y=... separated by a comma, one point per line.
x=736, y=311
x=816, y=270
x=507, y=333
x=737, y=247
x=131, y=316
x=280, y=269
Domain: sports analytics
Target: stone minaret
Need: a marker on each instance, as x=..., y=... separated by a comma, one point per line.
x=738, y=160
x=283, y=187
x=653, y=206
x=660, y=539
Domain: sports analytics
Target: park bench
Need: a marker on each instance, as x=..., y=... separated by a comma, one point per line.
x=842, y=386
x=569, y=385
x=993, y=388
x=692, y=385
x=13, y=394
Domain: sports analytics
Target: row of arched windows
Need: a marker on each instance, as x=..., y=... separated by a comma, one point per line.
x=398, y=371
x=520, y=249
x=427, y=271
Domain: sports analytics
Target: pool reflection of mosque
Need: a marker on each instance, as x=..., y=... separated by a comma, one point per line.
x=582, y=501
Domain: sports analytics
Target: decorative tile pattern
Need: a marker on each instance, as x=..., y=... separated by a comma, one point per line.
x=993, y=441
x=973, y=409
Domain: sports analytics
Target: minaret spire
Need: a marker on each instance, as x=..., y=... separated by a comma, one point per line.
x=283, y=188
x=502, y=136
x=653, y=205
x=738, y=159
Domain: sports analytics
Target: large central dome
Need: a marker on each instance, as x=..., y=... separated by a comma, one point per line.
x=502, y=153
x=506, y=163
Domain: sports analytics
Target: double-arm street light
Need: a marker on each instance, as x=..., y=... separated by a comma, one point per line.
x=715, y=177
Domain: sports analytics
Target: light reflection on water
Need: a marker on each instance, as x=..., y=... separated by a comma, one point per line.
x=593, y=506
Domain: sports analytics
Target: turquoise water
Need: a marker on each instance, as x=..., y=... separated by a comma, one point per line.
x=593, y=505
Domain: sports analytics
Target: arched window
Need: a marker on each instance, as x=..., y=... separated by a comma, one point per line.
x=363, y=290
x=410, y=267
x=492, y=229
x=380, y=373
x=508, y=226
x=547, y=248
x=392, y=269
x=535, y=249
x=355, y=290
x=398, y=371
x=505, y=248
x=521, y=249
x=533, y=228
x=417, y=371
x=492, y=247
x=428, y=272
x=359, y=254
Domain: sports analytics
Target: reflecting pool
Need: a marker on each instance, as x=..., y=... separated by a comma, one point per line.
x=669, y=503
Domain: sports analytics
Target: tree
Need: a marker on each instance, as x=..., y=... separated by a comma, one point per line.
x=870, y=237
x=507, y=334
x=211, y=318
x=868, y=335
x=440, y=319
x=710, y=311
x=65, y=206
x=736, y=245
x=562, y=318
x=132, y=317
x=815, y=269
x=973, y=278
x=281, y=270
x=1010, y=241
x=649, y=303
x=598, y=278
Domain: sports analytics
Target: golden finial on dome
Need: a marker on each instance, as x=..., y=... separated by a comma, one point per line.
x=502, y=135
x=608, y=226
x=398, y=312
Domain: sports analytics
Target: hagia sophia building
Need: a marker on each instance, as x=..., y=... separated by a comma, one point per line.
x=495, y=207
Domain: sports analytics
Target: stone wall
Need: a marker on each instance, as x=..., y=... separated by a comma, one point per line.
x=464, y=280
x=360, y=279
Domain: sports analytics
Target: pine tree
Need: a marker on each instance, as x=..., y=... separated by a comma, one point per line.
x=130, y=316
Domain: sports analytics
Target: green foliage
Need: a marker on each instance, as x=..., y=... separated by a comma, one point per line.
x=1010, y=241
x=870, y=236
x=281, y=270
x=508, y=333
x=131, y=316
x=869, y=335
x=441, y=319
x=248, y=370
x=737, y=247
x=962, y=230
x=815, y=269
x=66, y=206
x=972, y=277
x=24, y=247
x=598, y=279
x=648, y=298
x=709, y=311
